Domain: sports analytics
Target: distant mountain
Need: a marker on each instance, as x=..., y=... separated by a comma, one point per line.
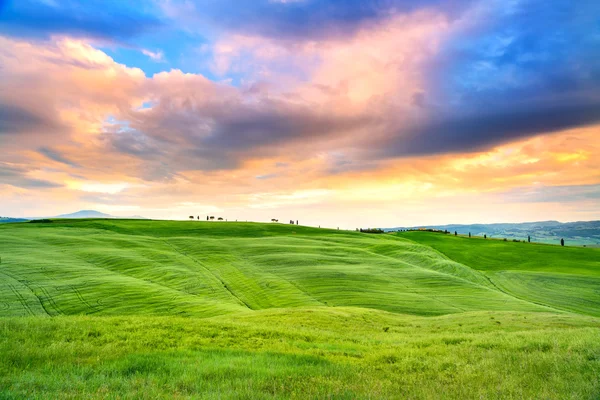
x=583, y=232
x=85, y=214
x=95, y=214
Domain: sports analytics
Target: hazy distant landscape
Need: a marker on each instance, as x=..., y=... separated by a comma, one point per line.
x=78, y=214
x=162, y=309
x=575, y=233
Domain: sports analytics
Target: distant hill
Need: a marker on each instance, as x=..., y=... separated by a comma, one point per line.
x=583, y=232
x=95, y=214
x=78, y=214
x=5, y=220
x=85, y=214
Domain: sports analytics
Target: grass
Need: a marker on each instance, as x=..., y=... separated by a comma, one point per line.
x=207, y=269
x=157, y=309
x=563, y=278
x=303, y=353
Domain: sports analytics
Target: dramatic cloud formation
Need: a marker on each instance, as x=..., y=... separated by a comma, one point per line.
x=333, y=112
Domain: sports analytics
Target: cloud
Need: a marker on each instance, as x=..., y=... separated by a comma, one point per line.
x=58, y=93
x=297, y=20
x=57, y=156
x=14, y=120
x=554, y=194
x=18, y=176
x=267, y=176
x=486, y=129
x=500, y=76
x=157, y=56
x=110, y=20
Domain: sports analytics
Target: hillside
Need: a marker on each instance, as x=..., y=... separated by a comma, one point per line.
x=103, y=267
x=564, y=278
x=163, y=309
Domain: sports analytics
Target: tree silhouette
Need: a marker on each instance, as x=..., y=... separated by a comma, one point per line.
x=455, y=233
x=562, y=242
x=191, y=217
x=485, y=236
x=528, y=239
x=469, y=234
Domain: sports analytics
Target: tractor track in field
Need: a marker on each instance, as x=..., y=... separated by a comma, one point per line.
x=21, y=299
x=80, y=297
x=50, y=300
x=526, y=300
x=208, y=270
x=20, y=296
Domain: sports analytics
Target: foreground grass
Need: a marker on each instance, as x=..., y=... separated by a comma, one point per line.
x=303, y=353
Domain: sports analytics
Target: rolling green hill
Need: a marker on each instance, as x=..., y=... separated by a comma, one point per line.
x=103, y=267
x=160, y=309
x=563, y=278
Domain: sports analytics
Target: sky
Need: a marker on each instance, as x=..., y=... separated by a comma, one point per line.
x=333, y=113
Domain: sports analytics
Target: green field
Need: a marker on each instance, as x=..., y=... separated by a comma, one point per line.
x=563, y=278
x=151, y=309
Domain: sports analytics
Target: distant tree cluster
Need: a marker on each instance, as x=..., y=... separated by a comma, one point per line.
x=208, y=218
x=371, y=230
x=292, y=222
